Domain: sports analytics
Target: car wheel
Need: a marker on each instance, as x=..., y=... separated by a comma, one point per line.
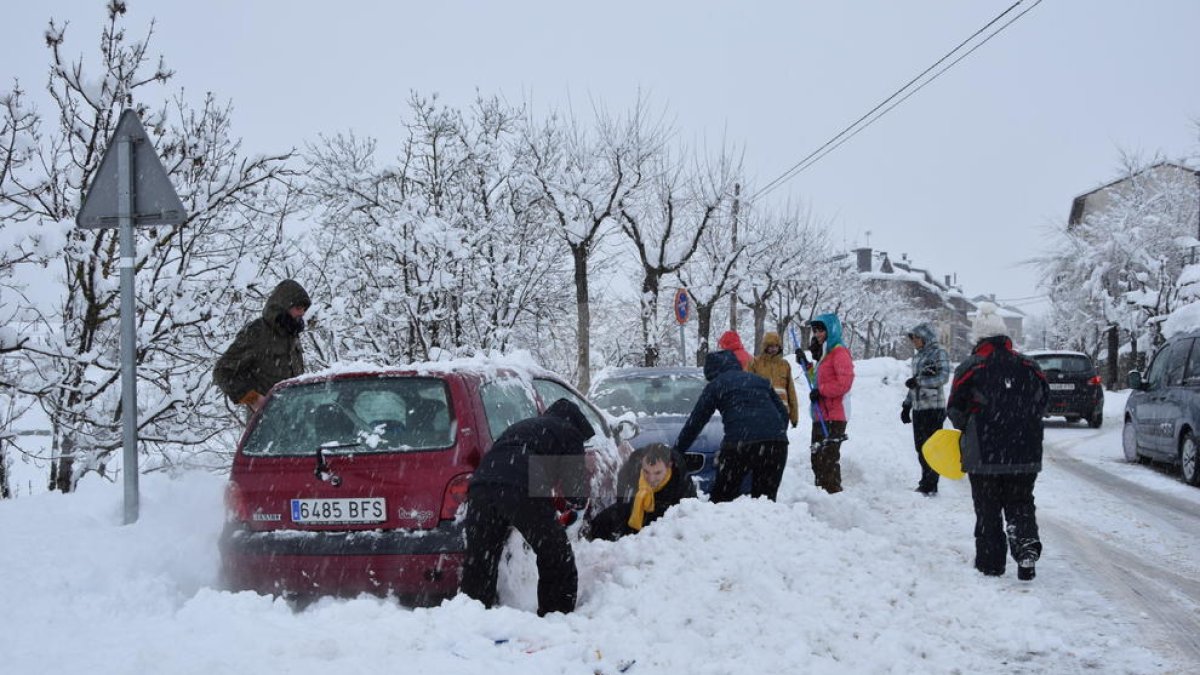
x=1129, y=442
x=1096, y=419
x=1188, y=460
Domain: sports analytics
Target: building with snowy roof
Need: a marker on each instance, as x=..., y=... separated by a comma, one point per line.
x=941, y=298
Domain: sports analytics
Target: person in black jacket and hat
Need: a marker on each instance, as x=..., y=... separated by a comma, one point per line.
x=997, y=401
x=661, y=482
x=513, y=488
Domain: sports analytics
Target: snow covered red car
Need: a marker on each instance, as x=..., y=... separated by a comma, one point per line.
x=351, y=480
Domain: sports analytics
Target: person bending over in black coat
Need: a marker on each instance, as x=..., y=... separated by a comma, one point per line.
x=755, y=422
x=513, y=488
x=662, y=482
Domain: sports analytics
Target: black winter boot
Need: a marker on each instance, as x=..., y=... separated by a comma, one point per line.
x=1026, y=570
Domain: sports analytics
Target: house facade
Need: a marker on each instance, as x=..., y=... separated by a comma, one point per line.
x=940, y=298
x=1160, y=178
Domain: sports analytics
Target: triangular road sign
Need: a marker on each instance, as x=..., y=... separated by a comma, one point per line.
x=155, y=201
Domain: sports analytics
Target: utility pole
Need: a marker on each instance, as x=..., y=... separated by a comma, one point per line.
x=737, y=191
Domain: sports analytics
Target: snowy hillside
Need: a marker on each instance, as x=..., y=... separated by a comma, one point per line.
x=875, y=579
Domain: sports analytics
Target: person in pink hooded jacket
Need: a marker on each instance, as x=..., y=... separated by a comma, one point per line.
x=834, y=377
x=730, y=341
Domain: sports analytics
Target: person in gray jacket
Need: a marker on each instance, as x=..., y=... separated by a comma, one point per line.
x=925, y=405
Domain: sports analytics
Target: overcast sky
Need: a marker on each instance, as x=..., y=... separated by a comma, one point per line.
x=964, y=177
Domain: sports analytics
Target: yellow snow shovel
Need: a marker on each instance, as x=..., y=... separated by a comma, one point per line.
x=942, y=454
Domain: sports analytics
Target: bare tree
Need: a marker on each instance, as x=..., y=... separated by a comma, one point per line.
x=443, y=251
x=786, y=243
x=1119, y=268
x=666, y=223
x=236, y=206
x=709, y=277
x=581, y=180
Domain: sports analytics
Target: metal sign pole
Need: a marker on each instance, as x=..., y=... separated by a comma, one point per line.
x=129, y=189
x=125, y=187
x=682, y=347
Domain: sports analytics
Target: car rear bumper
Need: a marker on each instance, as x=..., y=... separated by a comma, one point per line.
x=1081, y=403
x=421, y=567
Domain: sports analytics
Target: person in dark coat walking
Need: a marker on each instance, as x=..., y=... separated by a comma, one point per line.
x=925, y=406
x=267, y=350
x=657, y=480
x=997, y=401
x=513, y=488
x=755, y=423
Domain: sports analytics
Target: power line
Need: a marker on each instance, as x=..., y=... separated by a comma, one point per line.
x=841, y=137
x=814, y=160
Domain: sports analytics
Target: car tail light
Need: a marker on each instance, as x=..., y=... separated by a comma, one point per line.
x=1095, y=380
x=456, y=494
x=236, y=508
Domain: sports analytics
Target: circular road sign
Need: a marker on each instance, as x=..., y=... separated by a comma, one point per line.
x=683, y=306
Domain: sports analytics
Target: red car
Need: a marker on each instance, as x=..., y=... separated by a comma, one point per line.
x=352, y=482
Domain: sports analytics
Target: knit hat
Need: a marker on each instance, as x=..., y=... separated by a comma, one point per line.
x=987, y=323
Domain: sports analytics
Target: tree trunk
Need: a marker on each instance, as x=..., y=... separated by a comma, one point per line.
x=61, y=470
x=5, y=492
x=649, y=312
x=703, y=330
x=583, y=319
x=760, y=326
x=1114, y=365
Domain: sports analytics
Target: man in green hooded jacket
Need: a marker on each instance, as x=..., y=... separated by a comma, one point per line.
x=267, y=350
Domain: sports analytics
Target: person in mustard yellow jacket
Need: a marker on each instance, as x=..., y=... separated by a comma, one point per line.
x=771, y=365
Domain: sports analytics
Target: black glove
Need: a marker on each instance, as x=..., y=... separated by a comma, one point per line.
x=906, y=414
x=800, y=357
x=911, y=383
x=815, y=348
x=576, y=503
x=814, y=396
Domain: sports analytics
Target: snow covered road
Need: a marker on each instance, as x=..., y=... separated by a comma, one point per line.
x=1135, y=539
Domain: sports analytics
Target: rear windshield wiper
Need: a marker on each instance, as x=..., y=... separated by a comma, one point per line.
x=323, y=472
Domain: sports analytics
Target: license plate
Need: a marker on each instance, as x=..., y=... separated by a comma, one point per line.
x=1059, y=386
x=366, y=510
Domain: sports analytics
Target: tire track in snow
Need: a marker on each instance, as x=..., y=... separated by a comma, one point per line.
x=1162, y=588
x=1171, y=601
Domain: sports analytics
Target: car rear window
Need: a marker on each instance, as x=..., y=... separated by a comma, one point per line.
x=1065, y=363
x=665, y=395
x=385, y=414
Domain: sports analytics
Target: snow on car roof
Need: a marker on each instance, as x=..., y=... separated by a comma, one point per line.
x=521, y=362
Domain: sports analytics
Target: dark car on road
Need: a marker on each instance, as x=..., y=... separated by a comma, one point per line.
x=661, y=398
x=353, y=482
x=1076, y=390
x=1162, y=414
